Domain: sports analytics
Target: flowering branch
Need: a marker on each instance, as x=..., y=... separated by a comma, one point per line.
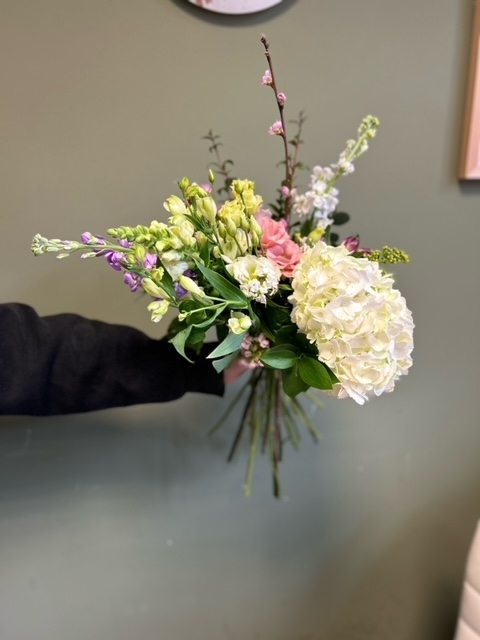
x=279, y=128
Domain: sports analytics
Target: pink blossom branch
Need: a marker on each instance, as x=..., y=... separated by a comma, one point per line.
x=280, y=99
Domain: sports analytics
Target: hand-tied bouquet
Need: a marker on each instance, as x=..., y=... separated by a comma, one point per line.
x=289, y=302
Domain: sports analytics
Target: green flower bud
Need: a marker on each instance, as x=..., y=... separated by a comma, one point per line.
x=242, y=241
x=211, y=176
x=227, y=249
x=245, y=224
x=153, y=289
x=140, y=253
x=256, y=238
x=201, y=239
x=129, y=258
x=239, y=322
x=315, y=235
x=175, y=206
x=158, y=309
x=190, y=285
x=231, y=227
x=207, y=208
x=183, y=184
x=157, y=274
x=388, y=255
x=255, y=227
x=162, y=245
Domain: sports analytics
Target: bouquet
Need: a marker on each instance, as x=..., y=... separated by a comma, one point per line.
x=292, y=306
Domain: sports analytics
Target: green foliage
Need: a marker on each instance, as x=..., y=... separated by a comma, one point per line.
x=280, y=357
x=222, y=363
x=314, y=373
x=292, y=383
x=231, y=343
x=340, y=217
x=179, y=341
x=235, y=298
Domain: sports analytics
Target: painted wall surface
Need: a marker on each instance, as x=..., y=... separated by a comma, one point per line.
x=129, y=523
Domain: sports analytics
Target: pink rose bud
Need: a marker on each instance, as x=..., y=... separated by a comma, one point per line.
x=351, y=243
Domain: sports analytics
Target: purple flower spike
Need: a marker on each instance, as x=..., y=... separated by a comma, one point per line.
x=150, y=261
x=114, y=259
x=88, y=238
x=179, y=290
x=133, y=281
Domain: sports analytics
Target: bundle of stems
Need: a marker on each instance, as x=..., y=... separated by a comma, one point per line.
x=270, y=419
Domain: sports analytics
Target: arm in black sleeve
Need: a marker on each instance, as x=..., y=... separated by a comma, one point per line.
x=65, y=363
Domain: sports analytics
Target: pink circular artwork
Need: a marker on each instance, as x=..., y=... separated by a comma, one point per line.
x=238, y=7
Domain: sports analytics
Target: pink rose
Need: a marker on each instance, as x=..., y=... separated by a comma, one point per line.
x=286, y=256
x=261, y=214
x=273, y=232
x=277, y=244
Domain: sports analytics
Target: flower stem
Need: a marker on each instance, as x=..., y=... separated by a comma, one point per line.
x=288, y=168
x=256, y=428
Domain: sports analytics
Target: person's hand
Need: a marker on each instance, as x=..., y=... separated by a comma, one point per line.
x=235, y=371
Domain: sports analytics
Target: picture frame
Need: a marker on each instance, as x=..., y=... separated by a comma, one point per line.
x=235, y=7
x=469, y=167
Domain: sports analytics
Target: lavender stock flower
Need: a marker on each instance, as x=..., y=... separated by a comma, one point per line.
x=133, y=280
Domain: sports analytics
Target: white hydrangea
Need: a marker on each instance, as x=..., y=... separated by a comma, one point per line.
x=359, y=323
x=258, y=276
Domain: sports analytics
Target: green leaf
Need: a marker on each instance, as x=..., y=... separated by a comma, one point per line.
x=196, y=337
x=179, y=341
x=306, y=227
x=205, y=253
x=167, y=283
x=231, y=343
x=273, y=317
x=286, y=335
x=280, y=357
x=340, y=218
x=175, y=326
x=293, y=383
x=201, y=301
x=225, y=288
x=314, y=373
x=305, y=345
x=222, y=363
x=209, y=321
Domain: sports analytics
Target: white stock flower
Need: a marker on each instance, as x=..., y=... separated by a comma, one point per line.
x=173, y=263
x=359, y=323
x=321, y=199
x=257, y=276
